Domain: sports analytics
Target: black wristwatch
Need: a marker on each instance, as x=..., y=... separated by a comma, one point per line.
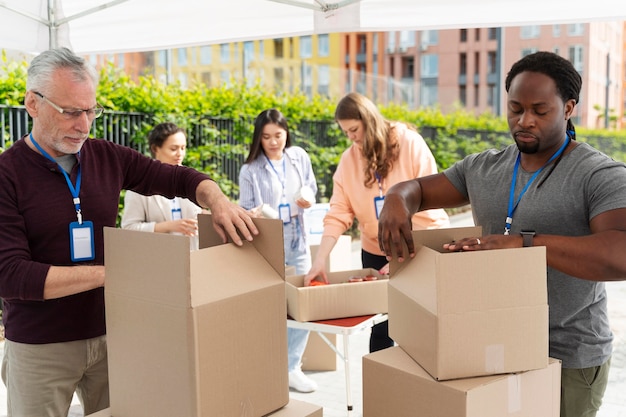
x=528, y=236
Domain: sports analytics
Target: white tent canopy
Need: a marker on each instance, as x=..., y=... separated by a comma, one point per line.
x=107, y=26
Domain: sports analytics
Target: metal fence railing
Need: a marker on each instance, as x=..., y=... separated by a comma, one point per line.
x=131, y=129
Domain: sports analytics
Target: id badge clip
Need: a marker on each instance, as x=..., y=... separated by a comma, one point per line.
x=378, y=205
x=82, y=241
x=177, y=214
x=284, y=211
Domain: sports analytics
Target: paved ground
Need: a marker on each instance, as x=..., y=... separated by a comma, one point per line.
x=331, y=394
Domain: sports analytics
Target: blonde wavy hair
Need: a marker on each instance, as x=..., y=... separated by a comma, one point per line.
x=380, y=142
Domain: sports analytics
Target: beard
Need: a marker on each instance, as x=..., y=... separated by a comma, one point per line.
x=528, y=148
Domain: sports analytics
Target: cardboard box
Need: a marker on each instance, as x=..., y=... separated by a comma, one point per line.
x=290, y=270
x=196, y=333
x=338, y=299
x=340, y=258
x=295, y=408
x=318, y=356
x=466, y=314
x=395, y=385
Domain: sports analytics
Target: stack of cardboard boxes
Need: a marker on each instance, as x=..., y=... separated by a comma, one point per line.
x=472, y=335
x=198, y=333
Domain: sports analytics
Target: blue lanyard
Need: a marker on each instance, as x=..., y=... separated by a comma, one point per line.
x=512, y=205
x=74, y=190
x=380, y=184
x=282, y=180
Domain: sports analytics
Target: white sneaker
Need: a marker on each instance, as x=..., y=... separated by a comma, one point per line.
x=300, y=382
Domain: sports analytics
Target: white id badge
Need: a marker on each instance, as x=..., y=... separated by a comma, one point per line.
x=81, y=241
x=177, y=214
x=284, y=210
x=378, y=205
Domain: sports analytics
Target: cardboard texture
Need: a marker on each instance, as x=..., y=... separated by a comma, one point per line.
x=338, y=299
x=340, y=258
x=318, y=356
x=466, y=314
x=295, y=408
x=196, y=333
x=395, y=385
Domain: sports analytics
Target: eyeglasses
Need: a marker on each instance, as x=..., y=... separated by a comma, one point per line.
x=92, y=113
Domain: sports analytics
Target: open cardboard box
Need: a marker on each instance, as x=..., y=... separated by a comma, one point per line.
x=295, y=408
x=196, y=333
x=338, y=299
x=395, y=385
x=466, y=314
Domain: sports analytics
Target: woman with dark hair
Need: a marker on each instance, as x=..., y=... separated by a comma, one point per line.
x=277, y=180
x=155, y=213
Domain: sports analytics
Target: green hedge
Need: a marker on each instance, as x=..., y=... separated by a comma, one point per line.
x=453, y=135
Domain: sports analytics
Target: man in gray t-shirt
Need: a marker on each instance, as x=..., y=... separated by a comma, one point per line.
x=545, y=190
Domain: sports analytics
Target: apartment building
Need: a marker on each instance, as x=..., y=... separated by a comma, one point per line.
x=454, y=68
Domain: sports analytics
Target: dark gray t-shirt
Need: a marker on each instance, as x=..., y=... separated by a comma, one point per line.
x=585, y=183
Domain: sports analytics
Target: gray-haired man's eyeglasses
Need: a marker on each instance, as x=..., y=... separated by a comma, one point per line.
x=91, y=113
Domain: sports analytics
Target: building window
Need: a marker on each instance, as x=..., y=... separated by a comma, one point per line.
x=206, y=78
x=323, y=46
x=408, y=67
x=261, y=50
x=278, y=48
x=205, y=55
x=306, y=49
x=324, y=80
x=463, y=35
x=225, y=53
x=407, y=39
x=530, y=32
x=491, y=95
x=528, y=51
x=476, y=63
x=391, y=42
x=492, y=62
x=476, y=95
x=248, y=51
x=575, y=29
x=576, y=57
x=463, y=63
x=182, y=57
x=375, y=43
x=429, y=95
x=492, y=34
x=307, y=79
x=429, y=67
x=556, y=31
x=428, y=38
x=477, y=34
x=463, y=95
x=182, y=79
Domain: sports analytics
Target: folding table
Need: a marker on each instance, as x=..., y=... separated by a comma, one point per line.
x=346, y=327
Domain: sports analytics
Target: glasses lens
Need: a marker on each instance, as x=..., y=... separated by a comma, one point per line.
x=97, y=111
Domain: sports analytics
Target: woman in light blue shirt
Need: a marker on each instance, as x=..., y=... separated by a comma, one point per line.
x=277, y=178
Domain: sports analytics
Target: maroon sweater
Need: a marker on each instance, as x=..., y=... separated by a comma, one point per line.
x=36, y=209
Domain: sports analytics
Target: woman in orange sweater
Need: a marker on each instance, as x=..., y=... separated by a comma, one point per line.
x=383, y=153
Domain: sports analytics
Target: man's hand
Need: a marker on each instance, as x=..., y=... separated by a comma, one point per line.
x=394, y=228
x=229, y=219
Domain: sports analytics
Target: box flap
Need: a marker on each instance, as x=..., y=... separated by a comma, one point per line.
x=269, y=241
x=229, y=270
x=434, y=239
x=160, y=255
